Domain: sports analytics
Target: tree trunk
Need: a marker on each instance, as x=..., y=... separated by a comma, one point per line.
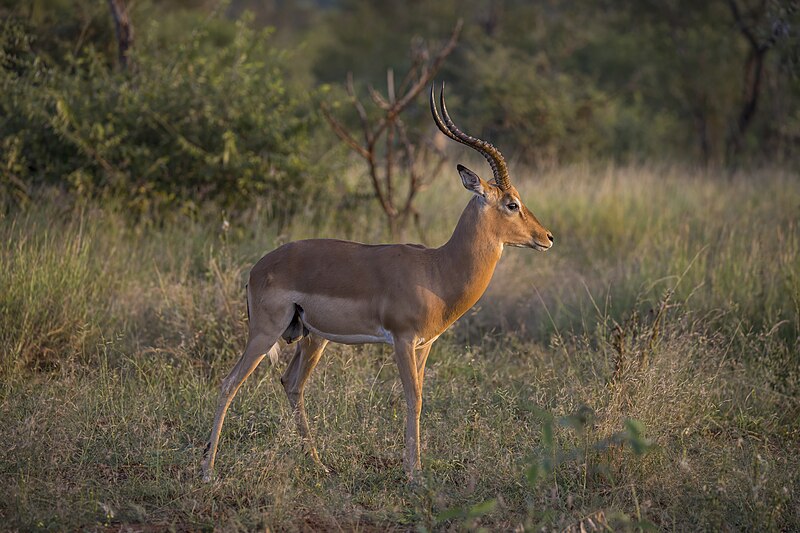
x=124, y=28
x=753, y=71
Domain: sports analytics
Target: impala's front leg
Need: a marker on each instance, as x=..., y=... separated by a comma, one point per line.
x=412, y=387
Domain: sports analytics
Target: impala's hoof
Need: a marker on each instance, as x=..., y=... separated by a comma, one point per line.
x=413, y=474
x=312, y=453
x=208, y=475
x=322, y=468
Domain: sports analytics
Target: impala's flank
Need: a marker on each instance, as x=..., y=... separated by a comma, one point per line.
x=321, y=290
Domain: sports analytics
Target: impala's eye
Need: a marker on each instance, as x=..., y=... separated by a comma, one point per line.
x=512, y=206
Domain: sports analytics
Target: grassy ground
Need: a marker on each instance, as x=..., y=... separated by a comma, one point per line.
x=644, y=371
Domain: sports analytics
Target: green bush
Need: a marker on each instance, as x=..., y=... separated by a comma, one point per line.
x=188, y=124
x=522, y=102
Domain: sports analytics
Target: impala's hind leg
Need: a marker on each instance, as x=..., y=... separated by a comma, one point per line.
x=307, y=355
x=262, y=339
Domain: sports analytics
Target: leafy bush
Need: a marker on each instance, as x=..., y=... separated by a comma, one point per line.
x=547, y=116
x=189, y=124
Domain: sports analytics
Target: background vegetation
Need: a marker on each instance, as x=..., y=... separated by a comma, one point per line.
x=645, y=372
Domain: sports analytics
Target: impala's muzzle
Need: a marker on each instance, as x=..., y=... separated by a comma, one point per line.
x=542, y=246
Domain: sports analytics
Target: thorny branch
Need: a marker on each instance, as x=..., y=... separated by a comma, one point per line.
x=382, y=167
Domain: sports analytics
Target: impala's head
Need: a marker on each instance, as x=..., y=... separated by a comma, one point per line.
x=504, y=210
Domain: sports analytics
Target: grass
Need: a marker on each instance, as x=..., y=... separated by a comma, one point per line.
x=671, y=299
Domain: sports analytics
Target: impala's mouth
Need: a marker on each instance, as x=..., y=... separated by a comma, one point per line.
x=533, y=244
x=541, y=247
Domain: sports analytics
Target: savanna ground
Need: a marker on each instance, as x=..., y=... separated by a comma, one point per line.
x=644, y=372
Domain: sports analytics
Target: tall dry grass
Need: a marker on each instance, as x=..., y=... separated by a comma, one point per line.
x=670, y=298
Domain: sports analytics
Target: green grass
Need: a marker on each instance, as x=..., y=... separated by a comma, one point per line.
x=671, y=298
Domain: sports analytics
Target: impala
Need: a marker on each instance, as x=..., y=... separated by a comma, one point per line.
x=320, y=290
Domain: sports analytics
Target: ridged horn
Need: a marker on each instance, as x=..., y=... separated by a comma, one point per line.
x=487, y=150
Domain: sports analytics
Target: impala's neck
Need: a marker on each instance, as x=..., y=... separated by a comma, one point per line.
x=468, y=259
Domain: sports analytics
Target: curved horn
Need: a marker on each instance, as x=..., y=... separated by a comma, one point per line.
x=487, y=150
x=437, y=119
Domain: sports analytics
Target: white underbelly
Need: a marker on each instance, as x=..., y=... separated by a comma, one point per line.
x=380, y=337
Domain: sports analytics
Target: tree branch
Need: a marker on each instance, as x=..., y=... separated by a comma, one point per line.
x=427, y=73
x=382, y=171
x=369, y=136
x=342, y=133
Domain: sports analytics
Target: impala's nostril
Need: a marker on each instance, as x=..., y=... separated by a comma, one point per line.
x=550, y=236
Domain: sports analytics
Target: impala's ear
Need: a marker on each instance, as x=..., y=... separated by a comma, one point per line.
x=472, y=182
